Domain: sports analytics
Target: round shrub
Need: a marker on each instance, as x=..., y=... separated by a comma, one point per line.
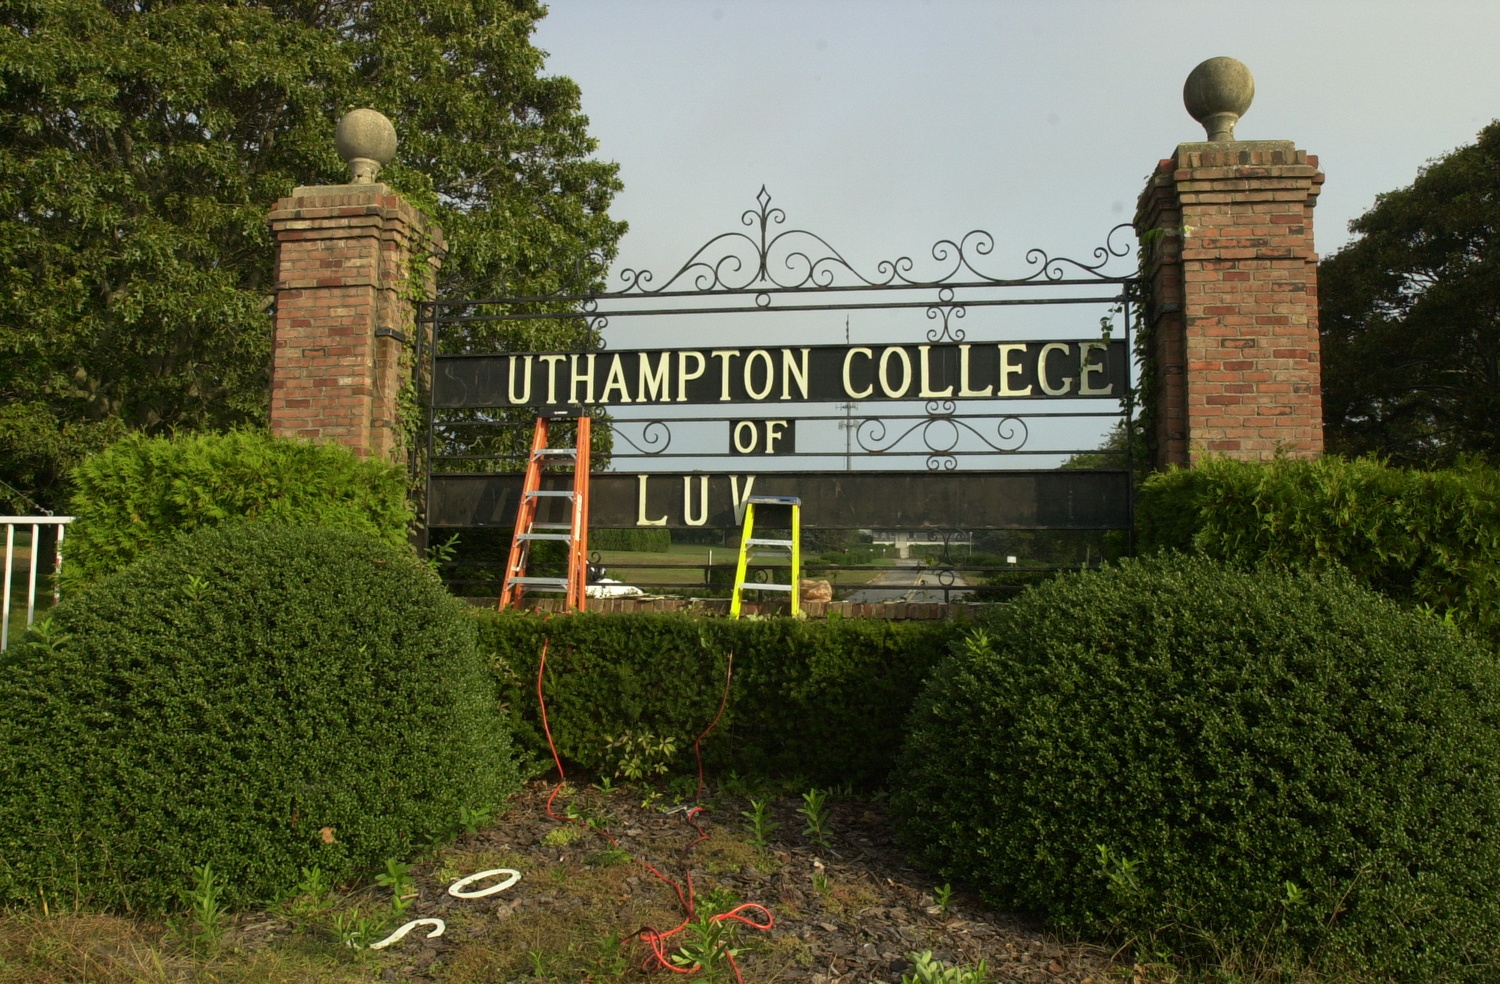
x=142, y=492
x=255, y=697
x=1270, y=763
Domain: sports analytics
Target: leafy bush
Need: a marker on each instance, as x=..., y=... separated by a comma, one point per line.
x=821, y=699
x=143, y=491
x=1423, y=538
x=1172, y=749
x=254, y=697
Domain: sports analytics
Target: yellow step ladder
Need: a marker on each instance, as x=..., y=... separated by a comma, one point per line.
x=749, y=543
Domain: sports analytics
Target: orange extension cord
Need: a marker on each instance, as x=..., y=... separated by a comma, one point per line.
x=655, y=939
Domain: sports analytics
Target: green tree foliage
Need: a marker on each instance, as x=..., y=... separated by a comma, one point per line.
x=257, y=697
x=1285, y=767
x=144, y=492
x=1410, y=316
x=142, y=145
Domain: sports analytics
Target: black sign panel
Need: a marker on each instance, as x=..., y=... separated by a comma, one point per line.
x=830, y=500
x=1088, y=369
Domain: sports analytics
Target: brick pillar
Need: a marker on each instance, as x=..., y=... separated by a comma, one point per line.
x=1232, y=311
x=351, y=262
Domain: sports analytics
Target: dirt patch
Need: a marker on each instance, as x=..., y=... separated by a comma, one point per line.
x=847, y=913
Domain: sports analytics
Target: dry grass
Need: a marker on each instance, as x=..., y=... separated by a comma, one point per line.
x=84, y=948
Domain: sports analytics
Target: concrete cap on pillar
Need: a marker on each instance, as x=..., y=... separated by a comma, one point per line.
x=367, y=140
x=1217, y=93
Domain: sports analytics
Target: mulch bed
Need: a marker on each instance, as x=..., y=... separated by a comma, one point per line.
x=873, y=908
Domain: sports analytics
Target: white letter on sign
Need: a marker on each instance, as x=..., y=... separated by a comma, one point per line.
x=774, y=433
x=1041, y=370
x=927, y=390
x=687, y=500
x=640, y=513
x=743, y=427
x=525, y=396
x=848, y=385
x=682, y=372
x=895, y=392
x=963, y=376
x=1009, y=369
x=1088, y=367
x=738, y=499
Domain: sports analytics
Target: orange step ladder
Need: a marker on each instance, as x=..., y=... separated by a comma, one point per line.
x=529, y=530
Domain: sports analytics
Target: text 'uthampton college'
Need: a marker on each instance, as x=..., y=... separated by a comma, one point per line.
x=1078, y=369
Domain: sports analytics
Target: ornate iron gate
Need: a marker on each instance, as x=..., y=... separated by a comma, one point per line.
x=965, y=424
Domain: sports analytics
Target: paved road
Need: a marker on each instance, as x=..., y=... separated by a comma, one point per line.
x=910, y=581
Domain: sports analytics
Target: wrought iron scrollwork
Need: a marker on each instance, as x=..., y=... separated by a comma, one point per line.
x=768, y=258
x=596, y=322
x=655, y=435
x=940, y=434
x=946, y=309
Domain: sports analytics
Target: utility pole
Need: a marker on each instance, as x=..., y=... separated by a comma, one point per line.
x=848, y=408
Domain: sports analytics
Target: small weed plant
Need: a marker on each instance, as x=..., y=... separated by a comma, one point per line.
x=311, y=895
x=819, y=877
x=562, y=836
x=397, y=877
x=474, y=818
x=607, y=858
x=609, y=960
x=202, y=926
x=356, y=931
x=926, y=970
x=638, y=756
x=762, y=826
x=709, y=948
x=717, y=900
x=943, y=896
x=814, y=810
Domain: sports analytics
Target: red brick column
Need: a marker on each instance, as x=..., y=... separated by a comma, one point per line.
x=1232, y=312
x=352, y=260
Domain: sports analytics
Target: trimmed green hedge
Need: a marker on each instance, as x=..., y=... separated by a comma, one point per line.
x=638, y=540
x=142, y=492
x=1424, y=538
x=227, y=698
x=821, y=699
x=1227, y=734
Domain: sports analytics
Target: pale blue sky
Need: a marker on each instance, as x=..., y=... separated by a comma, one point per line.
x=885, y=125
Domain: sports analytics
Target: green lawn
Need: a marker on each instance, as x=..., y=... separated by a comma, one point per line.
x=684, y=565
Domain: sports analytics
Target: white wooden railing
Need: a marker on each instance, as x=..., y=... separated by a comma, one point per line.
x=35, y=523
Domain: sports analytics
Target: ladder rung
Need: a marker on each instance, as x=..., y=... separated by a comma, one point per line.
x=551, y=495
x=556, y=452
x=561, y=537
x=542, y=582
x=765, y=587
x=769, y=543
x=552, y=526
x=775, y=500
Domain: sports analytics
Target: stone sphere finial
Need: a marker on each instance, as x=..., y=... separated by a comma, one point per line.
x=1217, y=93
x=367, y=140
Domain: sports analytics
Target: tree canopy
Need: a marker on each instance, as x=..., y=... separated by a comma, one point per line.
x=142, y=144
x=1410, y=317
